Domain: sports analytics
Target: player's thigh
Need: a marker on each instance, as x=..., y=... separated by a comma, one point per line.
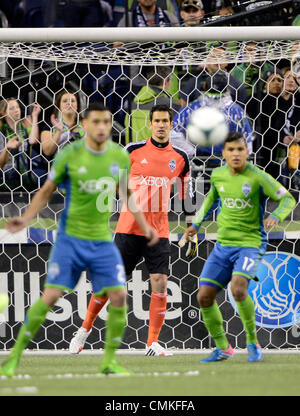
x=157, y=258
x=247, y=261
x=106, y=269
x=217, y=269
x=65, y=266
x=130, y=247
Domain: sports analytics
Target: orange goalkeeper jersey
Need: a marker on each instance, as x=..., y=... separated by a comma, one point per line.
x=155, y=167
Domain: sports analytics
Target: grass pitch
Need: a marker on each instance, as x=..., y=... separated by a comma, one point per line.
x=179, y=375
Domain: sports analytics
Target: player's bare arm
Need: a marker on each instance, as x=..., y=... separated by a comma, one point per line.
x=39, y=201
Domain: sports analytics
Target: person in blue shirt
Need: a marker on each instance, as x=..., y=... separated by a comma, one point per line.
x=217, y=94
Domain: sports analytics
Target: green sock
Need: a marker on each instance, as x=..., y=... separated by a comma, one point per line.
x=36, y=315
x=115, y=326
x=246, y=310
x=213, y=321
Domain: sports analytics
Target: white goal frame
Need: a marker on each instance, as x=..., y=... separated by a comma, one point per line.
x=20, y=36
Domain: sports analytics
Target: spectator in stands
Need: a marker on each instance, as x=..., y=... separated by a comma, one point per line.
x=216, y=63
x=290, y=86
x=148, y=13
x=252, y=69
x=18, y=138
x=291, y=132
x=154, y=93
x=270, y=124
x=191, y=12
x=225, y=8
x=217, y=94
x=66, y=124
x=87, y=13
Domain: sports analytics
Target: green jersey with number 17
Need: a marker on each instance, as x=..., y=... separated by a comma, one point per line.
x=242, y=198
x=90, y=179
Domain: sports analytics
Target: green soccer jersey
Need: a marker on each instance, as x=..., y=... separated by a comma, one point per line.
x=90, y=179
x=242, y=199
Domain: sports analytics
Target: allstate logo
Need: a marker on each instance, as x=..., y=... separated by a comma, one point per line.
x=277, y=294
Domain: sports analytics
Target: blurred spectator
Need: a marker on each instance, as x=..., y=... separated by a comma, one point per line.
x=225, y=8
x=296, y=21
x=154, y=93
x=33, y=13
x=148, y=13
x=191, y=12
x=216, y=63
x=217, y=94
x=270, y=124
x=291, y=132
x=290, y=86
x=87, y=13
x=66, y=124
x=119, y=8
x=252, y=69
x=9, y=15
x=18, y=138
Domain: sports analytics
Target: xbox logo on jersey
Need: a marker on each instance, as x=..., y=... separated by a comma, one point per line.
x=277, y=294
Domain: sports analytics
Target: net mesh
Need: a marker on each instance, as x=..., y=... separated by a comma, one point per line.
x=147, y=53
x=115, y=73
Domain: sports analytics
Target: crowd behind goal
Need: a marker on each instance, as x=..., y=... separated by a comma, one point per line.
x=260, y=97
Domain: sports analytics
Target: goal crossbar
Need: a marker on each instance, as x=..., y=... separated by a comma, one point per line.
x=155, y=34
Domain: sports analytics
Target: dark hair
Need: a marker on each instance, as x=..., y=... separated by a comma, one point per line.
x=158, y=74
x=233, y=137
x=95, y=107
x=58, y=100
x=160, y=107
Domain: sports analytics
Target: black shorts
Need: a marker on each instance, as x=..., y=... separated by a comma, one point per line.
x=133, y=247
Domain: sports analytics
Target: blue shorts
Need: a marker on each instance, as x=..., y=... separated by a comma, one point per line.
x=70, y=256
x=226, y=261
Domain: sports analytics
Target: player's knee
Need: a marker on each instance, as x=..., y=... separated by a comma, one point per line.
x=239, y=293
x=117, y=298
x=205, y=299
x=159, y=282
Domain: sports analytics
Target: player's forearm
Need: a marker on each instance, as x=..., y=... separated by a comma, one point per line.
x=201, y=214
x=39, y=201
x=284, y=208
x=136, y=211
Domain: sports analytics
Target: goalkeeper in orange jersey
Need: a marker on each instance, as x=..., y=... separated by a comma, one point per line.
x=155, y=164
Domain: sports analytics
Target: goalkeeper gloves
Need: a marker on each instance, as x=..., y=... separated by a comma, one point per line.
x=192, y=247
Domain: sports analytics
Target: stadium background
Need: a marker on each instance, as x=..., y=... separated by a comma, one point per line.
x=24, y=261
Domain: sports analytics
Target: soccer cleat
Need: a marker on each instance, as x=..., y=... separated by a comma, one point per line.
x=114, y=368
x=254, y=352
x=77, y=343
x=8, y=367
x=219, y=355
x=156, y=350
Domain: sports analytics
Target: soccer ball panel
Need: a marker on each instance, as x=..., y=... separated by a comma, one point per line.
x=207, y=127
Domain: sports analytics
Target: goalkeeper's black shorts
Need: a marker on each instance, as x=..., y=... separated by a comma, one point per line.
x=134, y=247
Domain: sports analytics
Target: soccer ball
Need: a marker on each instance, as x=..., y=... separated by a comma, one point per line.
x=207, y=127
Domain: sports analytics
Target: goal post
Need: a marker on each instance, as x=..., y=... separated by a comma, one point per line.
x=112, y=65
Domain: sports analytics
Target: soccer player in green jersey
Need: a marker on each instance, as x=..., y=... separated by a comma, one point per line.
x=89, y=169
x=242, y=190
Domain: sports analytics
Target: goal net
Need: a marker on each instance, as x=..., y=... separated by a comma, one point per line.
x=129, y=70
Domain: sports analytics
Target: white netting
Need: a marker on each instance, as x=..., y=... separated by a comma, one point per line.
x=37, y=69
